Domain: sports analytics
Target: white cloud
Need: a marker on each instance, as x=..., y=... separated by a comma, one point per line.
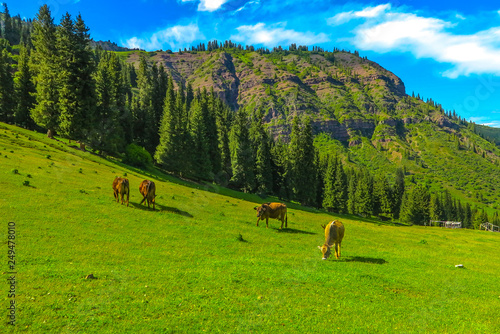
x=208, y=5
x=368, y=12
x=428, y=37
x=170, y=38
x=275, y=34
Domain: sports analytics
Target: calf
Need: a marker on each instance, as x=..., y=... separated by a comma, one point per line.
x=148, y=189
x=272, y=210
x=120, y=189
x=334, y=232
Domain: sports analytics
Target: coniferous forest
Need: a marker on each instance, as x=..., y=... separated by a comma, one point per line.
x=53, y=80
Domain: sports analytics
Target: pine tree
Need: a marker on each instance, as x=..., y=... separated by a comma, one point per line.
x=7, y=102
x=341, y=196
x=364, y=194
x=351, y=192
x=46, y=111
x=436, y=208
x=302, y=158
x=329, y=201
x=201, y=164
x=241, y=154
x=415, y=206
x=24, y=91
x=223, y=121
x=168, y=153
x=280, y=170
x=383, y=195
x=8, y=24
x=398, y=191
x=144, y=127
x=111, y=121
x=262, y=154
x=75, y=79
x=209, y=116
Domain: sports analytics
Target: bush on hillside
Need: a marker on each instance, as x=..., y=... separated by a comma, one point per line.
x=136, y=155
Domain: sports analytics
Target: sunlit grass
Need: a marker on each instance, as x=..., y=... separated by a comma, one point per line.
x=198, y=263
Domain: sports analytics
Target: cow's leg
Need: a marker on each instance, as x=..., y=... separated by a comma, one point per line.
x=267, y=222
x=337, y=250
x=281, y=222
x=128, y=196
x=258, y=219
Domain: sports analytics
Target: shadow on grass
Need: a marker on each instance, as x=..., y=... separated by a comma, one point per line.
x=363, y=259
x=293, y=231
x=161, y=208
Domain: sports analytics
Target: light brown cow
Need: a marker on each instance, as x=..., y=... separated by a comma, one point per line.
x=148, y=189
x=121, y=188
x=334, y=232
x=272, y=210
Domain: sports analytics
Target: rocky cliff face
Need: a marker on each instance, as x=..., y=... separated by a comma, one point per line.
x=345, y=95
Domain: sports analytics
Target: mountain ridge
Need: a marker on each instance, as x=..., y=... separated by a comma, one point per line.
x=359, y=108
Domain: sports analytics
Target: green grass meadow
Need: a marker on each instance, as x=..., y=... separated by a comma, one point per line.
x=199, y=264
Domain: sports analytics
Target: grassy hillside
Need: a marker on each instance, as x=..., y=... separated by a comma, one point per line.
x=199, y=263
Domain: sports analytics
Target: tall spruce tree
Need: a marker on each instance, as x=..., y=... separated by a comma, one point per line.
x=24, y=91
x=364, y=194
x=85, y=67
x=111, y=120
x=383, y=195
x=262, y=154
x=223, y=122
x=201, y=163
x=340, y=186
x=241, y=154
x=144, y=119
x=329, y=200
x=415, y=206
x=209, y=113
x=302, y=158
x=351, y=191
x=76, y=83
x=45, y=67
x=7, y=102
x=168, y=153
x=398, y=191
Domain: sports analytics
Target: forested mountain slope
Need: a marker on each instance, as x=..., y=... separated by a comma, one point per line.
x=359, y=110
x=328, y=129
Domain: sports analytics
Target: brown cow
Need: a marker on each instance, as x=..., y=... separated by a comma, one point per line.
x=272, y=210
x=148, y=189
x=334, y=232
x=121, y=188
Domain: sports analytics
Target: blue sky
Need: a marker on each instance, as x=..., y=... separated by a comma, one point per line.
x=445, y=50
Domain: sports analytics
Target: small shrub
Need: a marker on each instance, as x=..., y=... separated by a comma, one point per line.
x=28, y=176
x=48, y=156
x=136, y=155
x=80, y=171
x=26, y=183
x=15, y=171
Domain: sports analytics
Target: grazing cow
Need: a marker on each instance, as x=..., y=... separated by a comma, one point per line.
x=272, y=210
x=121, y=188
x=334, y=232
x=148, y=189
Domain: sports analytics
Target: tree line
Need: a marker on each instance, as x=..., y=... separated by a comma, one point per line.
x=64, y=86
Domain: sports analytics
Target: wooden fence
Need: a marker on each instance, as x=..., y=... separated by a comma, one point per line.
x=447, y=224
x=490, y=227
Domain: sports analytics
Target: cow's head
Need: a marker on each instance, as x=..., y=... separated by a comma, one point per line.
x=261, y=209
x=325, y=249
